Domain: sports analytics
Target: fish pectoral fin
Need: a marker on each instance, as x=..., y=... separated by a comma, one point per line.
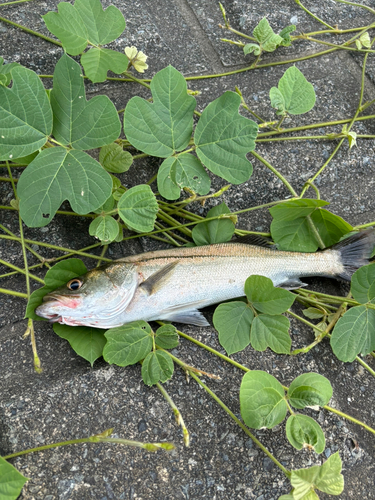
x=292, y=284
x=191, y=317
x=156, y=280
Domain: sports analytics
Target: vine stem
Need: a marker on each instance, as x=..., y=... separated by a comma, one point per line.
x=27, y=30
x=238, y=422
x=276, y=172
x=91, y=439
x=177, y=414
x=298, y=2
x=22, y=271
x=348, y=417
x=365, y=365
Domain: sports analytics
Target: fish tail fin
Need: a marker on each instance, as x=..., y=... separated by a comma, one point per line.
x=355, y=251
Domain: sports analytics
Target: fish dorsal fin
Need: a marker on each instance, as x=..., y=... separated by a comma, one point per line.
x=255, y=239
x=156, y=280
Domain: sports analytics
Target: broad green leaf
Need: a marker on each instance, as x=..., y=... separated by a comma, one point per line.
x=354, y=333
x=68, y=26
x=164, y=126
x=105, y=228
x=114, y=159
x=55, y=277
x=262, y=400
x=326, y=478
x=266, y=36
x=5, y=71
x=363, y=284
x=365, y=40
x=84, y=22
x=167, y=337
x=214, y=231
x=223, y=138
x=183, y=171
x=80, y=123
x=330, y=227
x=293, y=225
x=25, y=115
x=251, y=47
x=265, y=297
x=295, y=209
x=304, y=432
x=157, y=367
x=313, y=313
x=128, y=344
x=103, y=26
x=272, y=332
x=277, y=100
x=11, y=481
x=86, y=342
x=56, y=175
x=98, y=61
x=233, y=321
x=309, y=389
x=138, y=207
x=299, y=94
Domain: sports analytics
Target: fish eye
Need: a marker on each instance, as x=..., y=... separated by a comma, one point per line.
x=74, y=284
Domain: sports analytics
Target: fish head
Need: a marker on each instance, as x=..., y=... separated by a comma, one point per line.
x=97, y=298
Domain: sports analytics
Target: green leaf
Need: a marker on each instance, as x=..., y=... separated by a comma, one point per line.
x=252, y=47
x=363, y=284
x=157, y=367
x=138, y=207
x=299, y=94
x=114, y=159
x=105, y=228
x=285, y=35
x=86, y=342
x=103, y=26
x=6, y=71
x=128, y=344
x=68, y=26
x=233, y=321
x=326, y=478
x=272, y=332
x=59, y=174
x=183, y=171
x=84, y=22
x=262, y=400
x=354, y=333
x=167, y=337
x=164, y=126
x=265, y=297
x=365, y=40
x=214, y=231
x=98, y=61
x=25, y=115
x=266, y=37
x=313, y=313
x=277, y=100
x=304, y=432
x=293, y=225
x=309, y=389
x=83, y=124
x=223, y=138
x=57, y=276
x=25, y=160
x=11, y=481
x=292, y=210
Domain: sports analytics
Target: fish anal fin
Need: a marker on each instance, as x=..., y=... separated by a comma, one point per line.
x=191, y=317
x=156, y=280
x=292, y=284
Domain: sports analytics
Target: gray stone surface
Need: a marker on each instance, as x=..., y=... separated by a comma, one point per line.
x=71, y=400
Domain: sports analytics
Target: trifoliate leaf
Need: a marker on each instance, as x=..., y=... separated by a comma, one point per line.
x=266, y=37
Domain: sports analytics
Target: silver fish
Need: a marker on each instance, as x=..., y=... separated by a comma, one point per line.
x=173, y=284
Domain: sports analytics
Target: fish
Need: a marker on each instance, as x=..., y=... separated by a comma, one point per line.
x=173, y=284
